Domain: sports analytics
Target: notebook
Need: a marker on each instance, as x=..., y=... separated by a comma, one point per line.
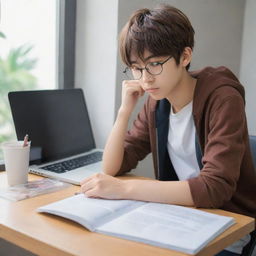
x=58, y=125
x=174, y=227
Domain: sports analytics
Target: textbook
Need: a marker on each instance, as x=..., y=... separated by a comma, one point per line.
x=174, y=227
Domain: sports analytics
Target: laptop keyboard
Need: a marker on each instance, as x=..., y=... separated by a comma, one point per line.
x=74, y=163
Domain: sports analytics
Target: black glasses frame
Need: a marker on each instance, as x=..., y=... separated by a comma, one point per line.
x=147, y=69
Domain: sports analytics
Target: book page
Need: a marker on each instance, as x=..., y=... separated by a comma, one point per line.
x=169, y=226
x=89, y=212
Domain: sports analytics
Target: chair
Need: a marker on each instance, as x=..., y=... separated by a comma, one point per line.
x=253, y=148
x=248, y=249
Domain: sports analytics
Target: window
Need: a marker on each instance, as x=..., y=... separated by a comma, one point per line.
x=37, y=41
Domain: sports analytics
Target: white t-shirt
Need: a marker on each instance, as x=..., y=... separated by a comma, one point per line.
x=181, y=143
x=182, y=153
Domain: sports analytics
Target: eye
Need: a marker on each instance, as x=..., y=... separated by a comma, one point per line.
x=154, y=64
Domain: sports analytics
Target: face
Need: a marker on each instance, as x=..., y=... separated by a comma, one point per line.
x=166, y=83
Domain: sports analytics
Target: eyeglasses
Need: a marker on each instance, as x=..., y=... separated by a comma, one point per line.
x=153, y=68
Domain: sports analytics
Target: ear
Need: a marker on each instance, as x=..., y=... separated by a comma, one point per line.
x=186, y=56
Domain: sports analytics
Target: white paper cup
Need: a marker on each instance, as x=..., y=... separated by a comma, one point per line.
x=16, y=159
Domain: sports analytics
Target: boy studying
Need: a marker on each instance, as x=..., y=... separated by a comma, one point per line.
x=193, y=123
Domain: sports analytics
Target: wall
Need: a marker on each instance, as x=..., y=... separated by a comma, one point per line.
x=96, y=46
x=248, y=66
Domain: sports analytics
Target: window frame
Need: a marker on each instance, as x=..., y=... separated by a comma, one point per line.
x=66, y=34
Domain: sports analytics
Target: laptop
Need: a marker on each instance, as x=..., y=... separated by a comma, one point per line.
x=58, y=125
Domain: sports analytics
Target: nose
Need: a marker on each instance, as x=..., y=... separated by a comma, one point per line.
x=146, y=76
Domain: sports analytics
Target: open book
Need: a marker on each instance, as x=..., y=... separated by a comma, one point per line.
x=169, y=226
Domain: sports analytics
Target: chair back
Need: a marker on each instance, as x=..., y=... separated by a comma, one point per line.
x=253, y=148
x=249, y=248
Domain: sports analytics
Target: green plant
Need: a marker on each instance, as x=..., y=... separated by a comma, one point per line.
x=2, y=35
x=15, y=75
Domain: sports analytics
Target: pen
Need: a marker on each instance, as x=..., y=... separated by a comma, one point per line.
x=25, y=142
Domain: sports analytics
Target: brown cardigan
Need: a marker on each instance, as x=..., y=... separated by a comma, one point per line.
x=227, y=179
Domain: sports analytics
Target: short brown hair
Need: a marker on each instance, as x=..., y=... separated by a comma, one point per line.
x=164, y=30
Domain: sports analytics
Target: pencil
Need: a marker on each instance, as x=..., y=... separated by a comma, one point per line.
x=25, y=142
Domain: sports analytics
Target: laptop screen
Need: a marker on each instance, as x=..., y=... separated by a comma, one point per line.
x=56, y=121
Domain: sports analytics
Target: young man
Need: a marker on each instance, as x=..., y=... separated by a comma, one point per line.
x=193, y=123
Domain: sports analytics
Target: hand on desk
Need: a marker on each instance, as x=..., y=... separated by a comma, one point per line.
x=103, y=186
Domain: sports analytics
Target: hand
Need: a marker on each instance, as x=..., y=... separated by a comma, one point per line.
x=103, y=186
x=131, y=92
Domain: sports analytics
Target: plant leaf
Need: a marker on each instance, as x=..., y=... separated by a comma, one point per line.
x=2, y=35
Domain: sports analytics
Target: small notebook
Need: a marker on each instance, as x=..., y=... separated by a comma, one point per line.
x=169, y=226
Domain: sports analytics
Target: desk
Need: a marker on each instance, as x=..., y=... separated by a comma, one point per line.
x=49, y=235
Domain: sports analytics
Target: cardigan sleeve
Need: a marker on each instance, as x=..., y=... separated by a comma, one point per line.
x=137, y=141
x=223, y=154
